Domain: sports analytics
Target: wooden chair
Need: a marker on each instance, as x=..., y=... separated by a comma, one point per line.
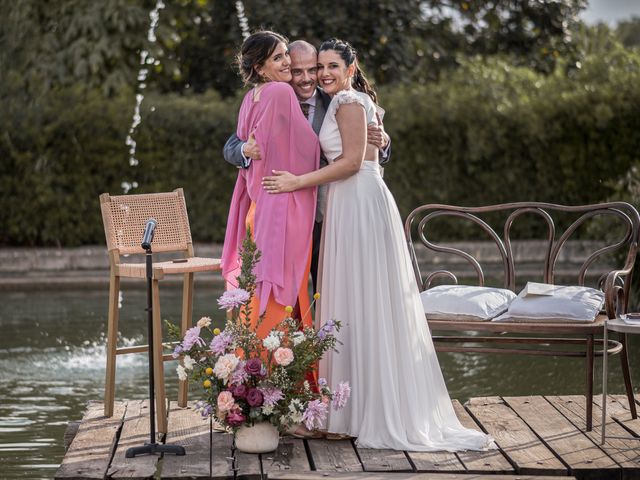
x=124, y=218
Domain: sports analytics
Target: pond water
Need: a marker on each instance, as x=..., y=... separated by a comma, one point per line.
x=52, y=356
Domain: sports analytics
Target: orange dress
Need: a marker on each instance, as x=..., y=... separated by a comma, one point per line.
x=275, y=312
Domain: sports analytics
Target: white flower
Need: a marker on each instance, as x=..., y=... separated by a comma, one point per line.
x=225, y=366
x=204, y=322
x=297, y=338
x=306, y=385
x=188, y=362
x=271, y=342
x=182, y=373
x=297, y=411
x=267, y=410
x=296, y=417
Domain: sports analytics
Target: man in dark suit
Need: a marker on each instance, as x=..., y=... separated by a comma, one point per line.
x=314, y=103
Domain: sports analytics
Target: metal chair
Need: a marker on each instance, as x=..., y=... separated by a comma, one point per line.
x=124, y=218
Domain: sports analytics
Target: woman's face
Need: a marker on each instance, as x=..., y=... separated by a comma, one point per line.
x=276, y=67
x=333, y=73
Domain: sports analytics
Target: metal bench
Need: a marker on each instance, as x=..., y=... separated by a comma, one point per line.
x=568, y=339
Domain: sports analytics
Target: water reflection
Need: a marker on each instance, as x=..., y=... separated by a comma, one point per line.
x=52, y=361
x=52, y=356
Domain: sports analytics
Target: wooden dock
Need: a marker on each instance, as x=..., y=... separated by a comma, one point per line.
x=538, y=437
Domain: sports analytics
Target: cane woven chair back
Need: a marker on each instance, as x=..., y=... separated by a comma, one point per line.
x=125, y=218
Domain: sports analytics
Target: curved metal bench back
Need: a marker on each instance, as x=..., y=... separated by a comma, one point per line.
x=625, y=213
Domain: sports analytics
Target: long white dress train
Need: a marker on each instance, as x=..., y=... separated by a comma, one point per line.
x=399, y=398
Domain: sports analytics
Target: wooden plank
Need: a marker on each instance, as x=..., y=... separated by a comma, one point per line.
x=404, y=476
x=135, y=432
x=291, y=455
x=384, y=460
x=477, y=462
x=625, y=452
x=584, y=458
x=333, y=455
x=188, y=428
x=91, y=450
x=436, y=462
x=618, y=409
x=517, y=441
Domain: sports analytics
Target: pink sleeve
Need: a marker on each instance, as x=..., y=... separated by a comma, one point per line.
x=283, y=222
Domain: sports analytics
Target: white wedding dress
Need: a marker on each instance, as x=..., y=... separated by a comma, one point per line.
x=398, y=396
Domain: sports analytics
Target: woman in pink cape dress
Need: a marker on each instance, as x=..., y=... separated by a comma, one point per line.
x=281, y=224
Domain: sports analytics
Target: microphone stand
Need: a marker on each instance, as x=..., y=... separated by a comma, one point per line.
x=152, y=447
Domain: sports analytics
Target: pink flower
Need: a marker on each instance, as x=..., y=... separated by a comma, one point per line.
x=225, y=401
x=315, y=414
x=341, y=395
x=235, y=417
x=233, y=298
x=283, y=356
x=225, y=366
x=240, y=391
x=254, y=397
x=271, y=396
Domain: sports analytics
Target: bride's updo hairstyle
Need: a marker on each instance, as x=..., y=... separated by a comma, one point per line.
x=349, y=55
x=254, y=52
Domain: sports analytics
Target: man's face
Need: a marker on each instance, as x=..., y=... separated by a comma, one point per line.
x=304, y=70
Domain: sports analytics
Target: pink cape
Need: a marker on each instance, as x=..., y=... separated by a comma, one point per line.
x=283, y=222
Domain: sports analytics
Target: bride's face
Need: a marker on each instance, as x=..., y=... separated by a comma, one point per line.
x=333, y=73
x=277, y=67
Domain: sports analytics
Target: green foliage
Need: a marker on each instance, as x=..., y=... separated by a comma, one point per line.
x=61, y=153
x=488, y=132
x=493, y=133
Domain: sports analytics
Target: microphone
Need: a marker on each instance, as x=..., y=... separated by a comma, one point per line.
x=147, y=238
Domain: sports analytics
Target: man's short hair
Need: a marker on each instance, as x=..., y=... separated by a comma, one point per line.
x=302, y=46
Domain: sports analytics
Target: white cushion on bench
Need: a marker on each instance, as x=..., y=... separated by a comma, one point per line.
x=566, y=304
x=465, y=303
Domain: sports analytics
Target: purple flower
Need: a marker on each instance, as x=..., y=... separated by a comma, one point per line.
x=341, y=395
x=322, y=334
x=221, y=342
x=254, y=397
x=191, y=338
x=315, y=414
x=178, y=350
x=322, y=382
x=239, y=391
x=253, y=366
x=271, y=395
x=235, y=418
x=233, y=299
x=239, y=375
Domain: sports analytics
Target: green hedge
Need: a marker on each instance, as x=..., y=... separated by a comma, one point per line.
x=491, y=133
x=61, y=153
x=487, y=133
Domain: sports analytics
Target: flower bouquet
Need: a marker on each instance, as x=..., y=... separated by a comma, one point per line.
x=248, y=381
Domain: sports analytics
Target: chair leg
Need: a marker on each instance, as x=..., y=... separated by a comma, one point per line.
x=626, y=374
x=112, y=339
x=187, y=313
x=158, y=363
x=589, y=396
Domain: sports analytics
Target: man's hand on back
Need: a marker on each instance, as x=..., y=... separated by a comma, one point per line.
x=251, y=149
x=377, y=136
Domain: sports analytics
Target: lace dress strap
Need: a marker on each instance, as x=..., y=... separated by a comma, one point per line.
x=344, y=97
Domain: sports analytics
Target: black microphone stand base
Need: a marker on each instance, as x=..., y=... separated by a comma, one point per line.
x=153, y=448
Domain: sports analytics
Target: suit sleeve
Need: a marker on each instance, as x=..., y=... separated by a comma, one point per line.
x=385, y=153
x=232, y=152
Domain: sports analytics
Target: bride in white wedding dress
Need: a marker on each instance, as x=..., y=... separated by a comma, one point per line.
x=399, y=399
